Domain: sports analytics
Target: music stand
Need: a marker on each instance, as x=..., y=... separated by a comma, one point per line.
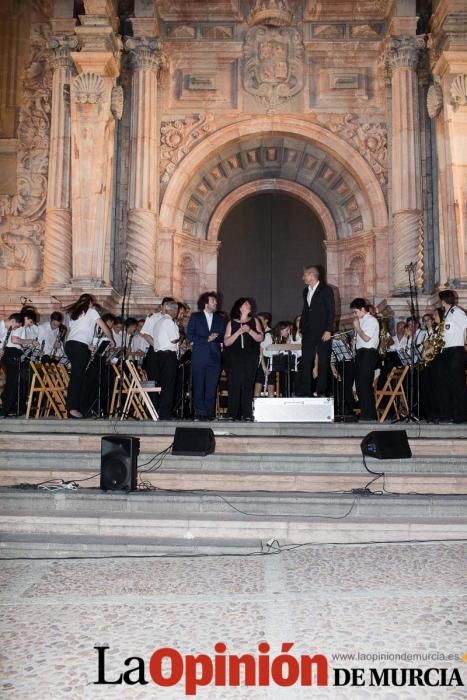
x=343, y=354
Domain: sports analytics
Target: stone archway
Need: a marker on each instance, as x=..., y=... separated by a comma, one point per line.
x=264, y=149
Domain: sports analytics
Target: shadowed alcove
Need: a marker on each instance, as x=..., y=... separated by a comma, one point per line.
x=266, y=239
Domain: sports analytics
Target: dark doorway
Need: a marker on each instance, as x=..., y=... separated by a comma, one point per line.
x=265, y=242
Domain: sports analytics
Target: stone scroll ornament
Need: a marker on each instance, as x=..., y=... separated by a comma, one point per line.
x=273, y=64
x=22, y=218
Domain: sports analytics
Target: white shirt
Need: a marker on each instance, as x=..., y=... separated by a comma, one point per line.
x=83, y=329
x=3, y=331
x=398, y=344
x=165, y=331
x=455, y=323
x=370, y=327
x=209, y=315
x=311, y=291
x=139, y=344
x=118, y=338
x=49, y=335
x=10, y=343
x=149, y=324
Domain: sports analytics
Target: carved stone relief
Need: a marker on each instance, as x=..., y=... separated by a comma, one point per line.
x=273, y=65
x=370, y=139
x=178, y=136
x=22, y=216
x=459, y=91
x=434, y=100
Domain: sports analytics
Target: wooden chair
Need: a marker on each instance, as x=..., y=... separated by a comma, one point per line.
x=393, y=390
x=139, y=396
x=45, y=386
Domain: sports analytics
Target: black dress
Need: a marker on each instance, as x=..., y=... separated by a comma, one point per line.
x=243, y=363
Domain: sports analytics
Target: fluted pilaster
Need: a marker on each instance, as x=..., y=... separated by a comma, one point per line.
x=143, y=195
x=58, y=230
x=406, y=162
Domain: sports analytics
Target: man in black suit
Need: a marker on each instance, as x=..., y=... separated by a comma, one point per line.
x=316, y=326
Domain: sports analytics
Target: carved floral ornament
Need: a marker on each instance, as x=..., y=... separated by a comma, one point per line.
x=23, y=214
x=178, y=136
x=273, y=64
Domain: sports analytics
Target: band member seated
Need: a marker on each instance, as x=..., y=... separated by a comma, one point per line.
x=84, y=318
x=265, y=377
x=366, y=358
x=48, y=336
x=147, y=332
x=206, y=333
x=452, y=360
x=316, y=324
x=283, y=362
x=243, y=336
x=166, y=338
x=11, y=363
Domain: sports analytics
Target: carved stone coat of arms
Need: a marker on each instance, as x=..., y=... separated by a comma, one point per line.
x=273, y=65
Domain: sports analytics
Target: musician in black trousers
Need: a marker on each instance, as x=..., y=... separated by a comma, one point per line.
x=366, y=357
x=11, y=362
x=316, y=325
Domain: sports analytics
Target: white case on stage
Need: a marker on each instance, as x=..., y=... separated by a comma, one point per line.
x=294, y=410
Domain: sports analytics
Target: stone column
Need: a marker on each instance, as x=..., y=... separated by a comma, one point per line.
x=58, y=235
x=407, y=217
x=143, y=191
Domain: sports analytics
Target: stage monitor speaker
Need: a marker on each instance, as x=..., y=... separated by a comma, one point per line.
x=386, y=444
x=193, y=442
x=119, y=462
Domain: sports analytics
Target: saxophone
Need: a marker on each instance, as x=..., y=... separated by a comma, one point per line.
x=433, y=345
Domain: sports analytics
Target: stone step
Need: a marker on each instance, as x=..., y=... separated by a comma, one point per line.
x=259, y=444
x=50, y=426
x=88, y=502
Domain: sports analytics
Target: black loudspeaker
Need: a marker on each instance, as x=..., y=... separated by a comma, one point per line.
x=386, y=444
x=194, y=442
x=119, y=462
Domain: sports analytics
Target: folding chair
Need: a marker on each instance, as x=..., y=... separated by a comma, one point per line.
x=43, y=386
x=139, y=396
x=393, y=390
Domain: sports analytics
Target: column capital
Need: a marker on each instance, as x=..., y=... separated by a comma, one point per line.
x=146, y=53
x=404, y=51
x=61, y=47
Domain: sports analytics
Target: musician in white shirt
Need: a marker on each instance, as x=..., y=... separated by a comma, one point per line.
x=48, y=335
x=165, y=337
x=452, y=388
x=366, y=359
x=84, y=319
x=147, y=332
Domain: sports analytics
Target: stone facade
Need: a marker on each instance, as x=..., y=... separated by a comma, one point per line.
x=129, y=129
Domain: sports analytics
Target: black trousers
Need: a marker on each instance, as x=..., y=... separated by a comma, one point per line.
x=78, y=354
x=365, y=364
x=309, y=349
x=242, y=373
x=452, y=384
x=166, y=365
x=11, y=391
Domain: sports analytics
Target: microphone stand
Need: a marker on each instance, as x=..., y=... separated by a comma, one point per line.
x=411, y=417
x=129, y=270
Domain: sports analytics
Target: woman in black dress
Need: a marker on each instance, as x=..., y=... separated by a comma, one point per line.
x=243, y=336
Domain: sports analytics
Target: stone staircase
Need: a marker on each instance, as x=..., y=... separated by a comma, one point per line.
x=287, y=483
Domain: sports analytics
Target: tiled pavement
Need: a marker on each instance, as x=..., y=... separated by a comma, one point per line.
x=327, y=599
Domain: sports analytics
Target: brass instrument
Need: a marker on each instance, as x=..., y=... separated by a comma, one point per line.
x=341, y=334
x=383, y=335
x=433, y=345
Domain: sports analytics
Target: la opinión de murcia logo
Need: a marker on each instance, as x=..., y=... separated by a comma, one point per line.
x=167, y=667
